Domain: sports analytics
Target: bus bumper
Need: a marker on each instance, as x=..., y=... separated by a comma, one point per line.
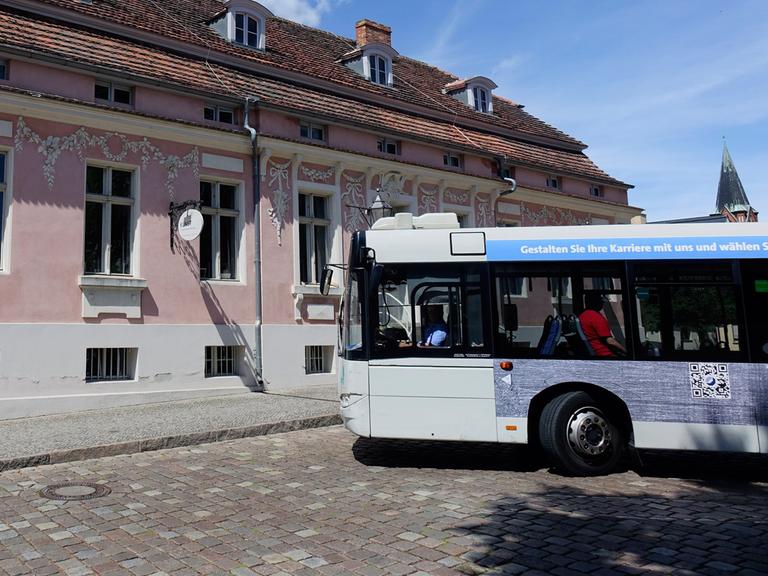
x=355, y=411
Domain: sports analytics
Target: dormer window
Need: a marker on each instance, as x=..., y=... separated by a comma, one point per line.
x=244, y=23
x=475, y=93
x=246, y=30
x=378, y=69
x=373, y=56
x=480, y=97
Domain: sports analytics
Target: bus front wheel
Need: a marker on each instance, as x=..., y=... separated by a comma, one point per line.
x=578, y=436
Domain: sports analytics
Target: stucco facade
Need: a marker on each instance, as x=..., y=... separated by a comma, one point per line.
x=167, y=309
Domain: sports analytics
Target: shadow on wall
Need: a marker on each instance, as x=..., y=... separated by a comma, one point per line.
x=230, y=333
x=575, y=525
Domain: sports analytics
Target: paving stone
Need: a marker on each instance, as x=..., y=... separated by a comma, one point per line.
x=323, y=502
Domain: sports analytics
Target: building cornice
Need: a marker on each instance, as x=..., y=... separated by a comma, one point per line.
x=42, y=108
x=39, y=8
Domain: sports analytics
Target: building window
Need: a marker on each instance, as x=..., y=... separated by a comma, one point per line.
x=379, y=69
x=452, y=160
x=553, y=182
x=480, y=97
x=110, y=92
x=596, y=191
x=318, y=359
x=217, y=113
x=107, y=364
x=219, y=238
x=507, y=223
x=3, y=69
x=109, y=200
x=312, y=131
x=387, y=146
x=221, y=360
x=314, y=226
x=246, y=30
x=2, y=202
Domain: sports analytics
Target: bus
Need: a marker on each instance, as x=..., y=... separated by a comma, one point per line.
x=588, y=342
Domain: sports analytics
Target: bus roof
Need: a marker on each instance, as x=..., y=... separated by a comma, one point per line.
x=572, y=243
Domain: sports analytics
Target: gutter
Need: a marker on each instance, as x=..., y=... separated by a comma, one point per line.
x=258, y=360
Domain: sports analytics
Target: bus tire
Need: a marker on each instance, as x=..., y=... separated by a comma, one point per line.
x=578, y=436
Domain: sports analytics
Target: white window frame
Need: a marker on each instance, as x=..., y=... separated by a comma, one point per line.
x=447, y=155
x=6, y=204
x=596, y=191
x=552, y=179
x=4, y=66
x=480, y=97
x=379, y=57
x=217, y=110
x=485, y=87
x=310, y=126
x=111, y=87
x=311, y=222
x=383, y=143
x=232, y=28
x=108, y=200
x=333, y=239
x=216, y=212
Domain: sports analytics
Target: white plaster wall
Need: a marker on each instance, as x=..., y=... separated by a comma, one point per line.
x=42, y=366
x=284, y=354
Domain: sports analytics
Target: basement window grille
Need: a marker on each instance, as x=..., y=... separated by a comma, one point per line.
x=317, y=359
x=220, y=361
x=109, y=364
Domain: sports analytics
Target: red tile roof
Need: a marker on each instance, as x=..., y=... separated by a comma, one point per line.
x=291, y=47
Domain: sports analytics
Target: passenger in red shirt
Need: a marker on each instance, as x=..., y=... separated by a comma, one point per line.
x=596, y=329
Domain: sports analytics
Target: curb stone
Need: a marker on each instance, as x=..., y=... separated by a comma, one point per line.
x=164, y=442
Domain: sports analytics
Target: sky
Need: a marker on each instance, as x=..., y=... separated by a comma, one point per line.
x=651, y=86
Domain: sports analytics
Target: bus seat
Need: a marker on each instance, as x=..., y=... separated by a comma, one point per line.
x=544, y=334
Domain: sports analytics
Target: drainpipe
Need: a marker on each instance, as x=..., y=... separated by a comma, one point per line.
x=258, y=361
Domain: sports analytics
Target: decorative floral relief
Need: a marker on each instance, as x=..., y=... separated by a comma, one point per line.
x=483, y=212
x=278, y=177
x=353, y=196
x=316, y=175
x=79, y=141
x=453, y=196
x=392, y=183
x=427, y=200
x=546, y=216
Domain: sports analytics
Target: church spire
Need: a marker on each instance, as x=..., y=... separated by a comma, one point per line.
x=731, y=198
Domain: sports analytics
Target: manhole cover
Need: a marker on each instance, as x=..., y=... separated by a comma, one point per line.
x=74, y=491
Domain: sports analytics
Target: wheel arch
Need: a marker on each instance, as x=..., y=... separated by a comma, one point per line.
x=607, y=399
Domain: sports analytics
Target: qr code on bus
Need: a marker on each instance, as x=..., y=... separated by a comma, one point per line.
x=710, y=380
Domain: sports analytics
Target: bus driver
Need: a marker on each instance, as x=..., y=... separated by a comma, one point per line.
x=435, y=329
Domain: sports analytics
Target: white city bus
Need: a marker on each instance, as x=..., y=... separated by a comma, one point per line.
x=686, y=307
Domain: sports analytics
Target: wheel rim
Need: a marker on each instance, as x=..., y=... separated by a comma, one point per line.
x=589, y=433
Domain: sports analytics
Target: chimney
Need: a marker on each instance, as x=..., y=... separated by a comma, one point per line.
x=367, y=31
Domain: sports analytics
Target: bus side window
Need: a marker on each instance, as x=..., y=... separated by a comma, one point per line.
x=687, y=310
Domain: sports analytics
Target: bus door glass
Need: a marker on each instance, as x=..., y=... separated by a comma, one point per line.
x=687, y=310
x=432, y=310
x=352, y=333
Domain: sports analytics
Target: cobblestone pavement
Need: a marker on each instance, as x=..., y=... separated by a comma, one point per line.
x=324, y=502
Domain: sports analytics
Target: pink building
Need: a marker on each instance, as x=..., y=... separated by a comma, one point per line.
x=111, y=111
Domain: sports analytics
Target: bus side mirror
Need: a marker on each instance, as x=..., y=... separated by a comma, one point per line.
x=325, y=281
x=510, y=317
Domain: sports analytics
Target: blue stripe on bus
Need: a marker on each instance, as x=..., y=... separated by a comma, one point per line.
x=674, y=248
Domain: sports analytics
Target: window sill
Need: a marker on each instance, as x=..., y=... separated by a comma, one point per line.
x=314, y=290
x=222, y=281
x=104, y=294
x=113, y=282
